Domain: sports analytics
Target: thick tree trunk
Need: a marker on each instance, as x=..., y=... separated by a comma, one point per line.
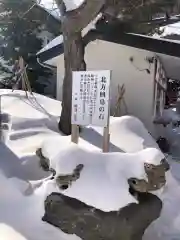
x=73, y=22
x=74, y=61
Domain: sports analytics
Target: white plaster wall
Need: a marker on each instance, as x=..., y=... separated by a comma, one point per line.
x=101, y=55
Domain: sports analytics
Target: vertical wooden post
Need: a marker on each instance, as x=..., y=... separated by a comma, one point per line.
x=106, y=139
x=106, y=134
x=74, y=133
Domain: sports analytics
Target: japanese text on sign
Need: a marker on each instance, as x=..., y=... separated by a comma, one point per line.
x=90, y=98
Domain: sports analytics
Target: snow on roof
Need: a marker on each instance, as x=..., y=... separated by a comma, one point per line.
x=56, y=41
x=36, y=116
x=171, y=64
x=171, y=29
x=53, y=11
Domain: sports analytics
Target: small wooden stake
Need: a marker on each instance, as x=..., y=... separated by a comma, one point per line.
x=106, y=135
x=74, y=133
x=106, y=139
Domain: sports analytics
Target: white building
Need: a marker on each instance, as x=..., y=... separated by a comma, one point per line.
x=133, y=62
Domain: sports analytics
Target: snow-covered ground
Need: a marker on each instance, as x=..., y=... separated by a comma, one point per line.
x=34, y=124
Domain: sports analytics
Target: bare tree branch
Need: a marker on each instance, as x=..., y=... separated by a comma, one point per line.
x=28, y=10
x=36, y=3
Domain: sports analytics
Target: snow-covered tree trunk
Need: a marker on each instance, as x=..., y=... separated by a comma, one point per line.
x=73, y=22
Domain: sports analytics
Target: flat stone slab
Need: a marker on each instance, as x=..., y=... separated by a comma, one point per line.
x=75, y=217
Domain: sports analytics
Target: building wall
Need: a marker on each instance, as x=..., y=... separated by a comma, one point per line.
x=139, y=85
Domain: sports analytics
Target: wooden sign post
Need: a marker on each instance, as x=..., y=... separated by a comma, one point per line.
x=74, y=133
x=90, y=102
x=106, y=139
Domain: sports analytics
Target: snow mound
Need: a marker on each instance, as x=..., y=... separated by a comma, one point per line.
x=32, y=119
x=35, y=107
x=20, y=216
x=127, y=134
x=53, y=145
x=130, y=134
x=103, y=180
x=8, y=233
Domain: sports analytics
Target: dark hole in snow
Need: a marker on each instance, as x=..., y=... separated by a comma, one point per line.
x=134, y=181
x=64, y=187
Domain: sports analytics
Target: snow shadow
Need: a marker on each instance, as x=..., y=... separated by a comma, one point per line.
x=9, y=163
x=30, y=166
x=26, y=168
x=16, y=136
x=26, y=123
x=96, y=139
x=33, y=102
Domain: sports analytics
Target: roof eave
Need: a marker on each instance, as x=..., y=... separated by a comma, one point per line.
x=128, y=39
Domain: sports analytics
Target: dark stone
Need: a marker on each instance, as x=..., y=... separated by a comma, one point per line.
x=64, y=181
x=75, y=217
x=156, y=177
x=176, y=124
x=44, y=162
x=163, y=144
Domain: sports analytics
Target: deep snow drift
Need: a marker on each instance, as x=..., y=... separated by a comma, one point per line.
x=34, y=125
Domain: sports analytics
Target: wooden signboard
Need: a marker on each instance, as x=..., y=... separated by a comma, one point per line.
x=90, y=102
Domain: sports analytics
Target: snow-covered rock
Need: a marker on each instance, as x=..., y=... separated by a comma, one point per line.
x=114, y=170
